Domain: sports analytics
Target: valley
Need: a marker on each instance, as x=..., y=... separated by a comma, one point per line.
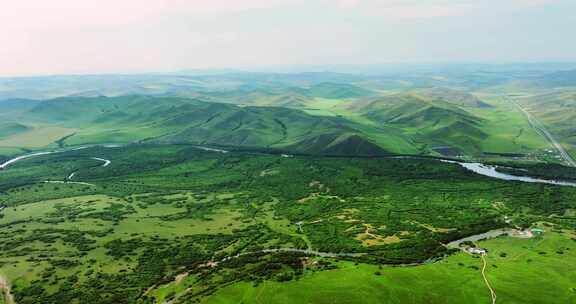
x=287, y=188
x=287, y=152
x=396, y=124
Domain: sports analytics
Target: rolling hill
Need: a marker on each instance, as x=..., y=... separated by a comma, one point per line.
x=456, y=97
x=319, y=118
x=557, y=111
x=559, y=79
x=10, y=128
x=331, y=90
x=433, y=122
x=191, y=121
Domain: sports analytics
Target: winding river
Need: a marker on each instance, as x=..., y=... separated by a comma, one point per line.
x=9, y=162
x=106, y=162
x=478, y=168
x=490, y=171
x=481, y=236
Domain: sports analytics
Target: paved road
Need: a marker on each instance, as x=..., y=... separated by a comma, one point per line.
x=542, y=131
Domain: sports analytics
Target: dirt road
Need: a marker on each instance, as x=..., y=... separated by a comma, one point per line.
x=492, y=292
x=6, y=291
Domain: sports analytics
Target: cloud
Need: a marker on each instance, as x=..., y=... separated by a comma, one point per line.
x=31, y=14
x=537, y=2
x=347, y=4
x=63, y=36
x=419, y=9
x=406, y=9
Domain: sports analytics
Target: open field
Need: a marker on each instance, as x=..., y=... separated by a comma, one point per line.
x=539, y=270
x=36, y=138
x=509, y=131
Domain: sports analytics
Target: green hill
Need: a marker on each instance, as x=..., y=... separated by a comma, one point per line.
x=405, y=123
x=456, y=97
x=412, y=111
x=182, y=120
x=13, y=108
x=557, y=111
x=337, y=91
x=338, y=144
x=559, y=79
x=431, y=122
x=9, y=128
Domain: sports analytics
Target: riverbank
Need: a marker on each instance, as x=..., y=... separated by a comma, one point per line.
x=476, y=167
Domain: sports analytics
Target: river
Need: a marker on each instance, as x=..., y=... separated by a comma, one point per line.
x=9, y=162
x=490, y=171
x=478, y=168
x=486, y=235
x=106, y=162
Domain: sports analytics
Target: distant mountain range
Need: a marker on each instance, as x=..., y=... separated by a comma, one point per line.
x=327, y=81
x=321, y=113
x=283, y=126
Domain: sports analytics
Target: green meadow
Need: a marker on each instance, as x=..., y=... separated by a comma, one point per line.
x=539, y=270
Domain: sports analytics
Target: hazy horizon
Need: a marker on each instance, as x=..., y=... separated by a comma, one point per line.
x=73, y=37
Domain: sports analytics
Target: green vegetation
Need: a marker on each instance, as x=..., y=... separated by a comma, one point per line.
x=8, y=129
x=555, y=110
x=420, y=123
x=286, y=188
x=459, y=113
x=159, y=222
x=518, y=278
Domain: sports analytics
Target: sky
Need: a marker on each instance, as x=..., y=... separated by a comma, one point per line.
x=131, y=36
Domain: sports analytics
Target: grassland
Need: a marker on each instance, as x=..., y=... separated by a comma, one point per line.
x=538, y=270
x=555, y=111
x=508, y=130
x=36, y=138
x=497, y=126
x=159, y=221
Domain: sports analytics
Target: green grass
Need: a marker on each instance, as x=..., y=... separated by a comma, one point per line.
x=501, y=128
x=10, y=129
x=36, y=138
x=507, y=129
x=523, y=276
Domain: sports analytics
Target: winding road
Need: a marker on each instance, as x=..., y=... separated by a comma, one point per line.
x=492, y=292
x=540, y=129
x=295, y=250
